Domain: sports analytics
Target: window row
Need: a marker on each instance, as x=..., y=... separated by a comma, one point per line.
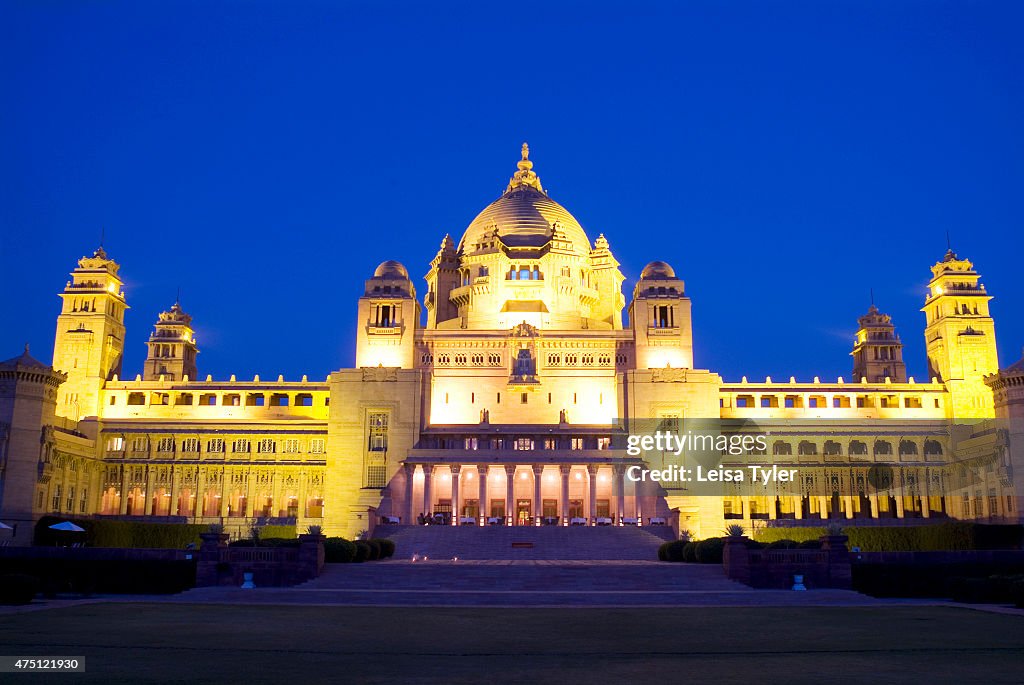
x=117, y=443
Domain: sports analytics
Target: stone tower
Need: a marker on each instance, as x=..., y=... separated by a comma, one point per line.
x=388, y=318
x=660, y=317
x=960, y=336
x=28, y=403
x=172, y=347
x=877, y=349
x=89, y=345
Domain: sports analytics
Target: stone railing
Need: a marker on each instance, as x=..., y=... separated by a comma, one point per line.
x=775, y=568
x=219, y=564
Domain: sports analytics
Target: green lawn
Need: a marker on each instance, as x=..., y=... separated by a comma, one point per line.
x=152, y=642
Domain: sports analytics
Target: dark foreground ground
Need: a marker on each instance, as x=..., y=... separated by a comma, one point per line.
x=210, y=643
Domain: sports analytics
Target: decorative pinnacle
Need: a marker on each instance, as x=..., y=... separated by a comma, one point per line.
x=525, y=176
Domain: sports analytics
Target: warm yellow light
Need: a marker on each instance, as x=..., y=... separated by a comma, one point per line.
x=523, y=475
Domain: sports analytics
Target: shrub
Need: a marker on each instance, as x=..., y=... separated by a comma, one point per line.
x=685, y=535
x=103, y=533
x=18, y=588
x=672, y=551
x=374, y=549
x=710, y=551
x=810, y=544
x=339, y=551
x=734, y=530
x=362, y=551
x=387, y=548
x=690, y=552
x=287, y=532
x=782, y=544
x=948, y=536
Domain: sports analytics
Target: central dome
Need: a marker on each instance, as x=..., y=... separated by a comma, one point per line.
x=524, y=216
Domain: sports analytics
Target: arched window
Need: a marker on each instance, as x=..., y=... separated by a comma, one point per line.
x=908, y=447
x=858, y=447
x=932, y=447
x=883, y=447
x=807, y=448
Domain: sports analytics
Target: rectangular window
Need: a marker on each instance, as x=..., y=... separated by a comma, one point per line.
x=266, y=446
x=576, y=444
x=190, y=445
x=165, y=445
x=240, y=446
x=56, y=498
x=115, y=443
x=291, y=446
x=83, y=501
x=215, y=445
x=471, y=443
x=604, y=443
x=523, y=444
x=316, y=446
x=140, y=444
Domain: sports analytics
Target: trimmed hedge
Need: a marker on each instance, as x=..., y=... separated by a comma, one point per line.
x=949, y=536
x=387, y=547
x=710, y=551
x=339, y=551
x=690, y=552
x=672, y=551
x=102, y=533
x=362, y=551
x=113, y=576
x=18, y=588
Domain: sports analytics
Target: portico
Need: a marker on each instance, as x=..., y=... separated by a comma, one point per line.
x=506, y=493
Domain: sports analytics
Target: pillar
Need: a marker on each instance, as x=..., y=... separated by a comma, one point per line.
x=428, y=489
x=410, y=506
x=510, y=481
x=618, y=492
x=873, y=498
x=481, y=472
x=538, y=477
x=456, y=511
x=823, y=506
x=798, y=507
x=925, y=506
x=592, y=480
x=150, y=476
x=172, y=509
x=848, y=505
x=224, y=493
x=563, y=505
x=123, y=504
x=899, y=504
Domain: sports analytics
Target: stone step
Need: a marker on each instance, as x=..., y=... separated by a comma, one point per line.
x=523, y=543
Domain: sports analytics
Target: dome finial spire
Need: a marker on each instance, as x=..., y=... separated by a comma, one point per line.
x=525, y=176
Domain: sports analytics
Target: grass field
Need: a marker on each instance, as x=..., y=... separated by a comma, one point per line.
x=207, y=643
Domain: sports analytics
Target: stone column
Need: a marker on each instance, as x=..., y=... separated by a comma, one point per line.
x=150, y=477
x=410, y=506
x=899, y=504
x=618, y=491
x=250, y=493
x=592, y=480
x=510, y=481
x=123, y=504
x=481, y=472
x=428, y=489
x=874, y=505
x=172, y=509
x=798, y=507
x=223, y=493
x=823, y=506
x=456, y=511
x=773, y=507
x=563, y=504
x=925, y=507
x=538, y=478
x=848, y=505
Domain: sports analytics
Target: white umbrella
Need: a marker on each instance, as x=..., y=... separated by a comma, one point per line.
x=67, y=525
x=4, y=526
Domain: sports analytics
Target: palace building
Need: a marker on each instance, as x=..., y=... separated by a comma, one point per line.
x=502, y=395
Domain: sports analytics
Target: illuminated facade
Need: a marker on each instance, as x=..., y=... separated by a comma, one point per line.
x=504, y=400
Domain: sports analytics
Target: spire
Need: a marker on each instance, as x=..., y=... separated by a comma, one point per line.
x=525, y=176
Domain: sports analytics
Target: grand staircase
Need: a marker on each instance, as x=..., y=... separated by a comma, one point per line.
x=604, y=543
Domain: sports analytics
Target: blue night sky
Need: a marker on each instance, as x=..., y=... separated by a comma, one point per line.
x=784, y=157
